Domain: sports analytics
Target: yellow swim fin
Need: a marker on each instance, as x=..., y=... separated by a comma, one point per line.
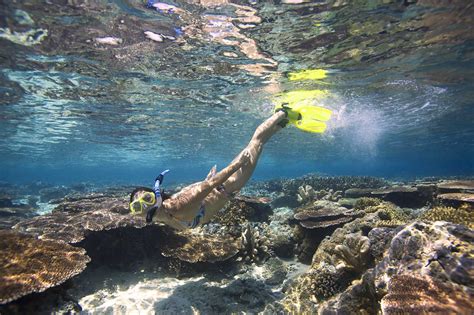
x=309, y=125
x=313, y=112
x=307, y=117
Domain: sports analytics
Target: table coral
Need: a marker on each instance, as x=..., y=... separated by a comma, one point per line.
x=30, y=265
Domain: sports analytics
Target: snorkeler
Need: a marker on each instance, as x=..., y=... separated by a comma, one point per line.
x=197, y=203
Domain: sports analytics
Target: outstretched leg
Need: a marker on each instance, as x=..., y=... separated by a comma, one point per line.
x=189, y=199
x=263, y=133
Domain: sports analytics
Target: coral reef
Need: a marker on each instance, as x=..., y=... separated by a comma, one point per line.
x=281, y=233
x=313, y=217
x=456, y=199
x=305, y=194
x=353, y=253
x=379, y=239
x=94, y=202
x=408, y=294
x=462, y=215
x=255, y=245
x=73, y=227
x=358, y=192
x=441, y=250
x=455, y=186
x=360, y=297
x=29, y=265
x=389, y=215
x=404, y=196
x=242, y=209
x=323, y=282
x=365, y=202
x=315, y=223
x=194, y=248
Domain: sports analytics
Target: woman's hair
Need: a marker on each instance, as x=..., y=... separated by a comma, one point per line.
x=164, y=195
x=139, y=189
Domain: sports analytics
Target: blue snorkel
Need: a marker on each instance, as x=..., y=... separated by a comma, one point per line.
x=156, y=188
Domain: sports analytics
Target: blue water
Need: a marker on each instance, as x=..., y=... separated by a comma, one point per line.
x=399, y=83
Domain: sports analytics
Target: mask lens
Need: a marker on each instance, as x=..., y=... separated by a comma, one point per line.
x=136, y=207
x=149, y=198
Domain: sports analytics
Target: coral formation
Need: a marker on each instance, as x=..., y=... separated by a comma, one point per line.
x=73, y=227
x=456, y=199
x=353, y=253
x=255, y=245
x=311, y=217
x=305, y=194
x=30, y=265
x=456, y=186
x=379, y=239
x=194, y=248
x=409, y=293
x=404, y=196
x=96, y=201
x=441, y=250
x=389, y=215
x=242, y=209
x=462, y=215
x=366, y=202
x=360, y=297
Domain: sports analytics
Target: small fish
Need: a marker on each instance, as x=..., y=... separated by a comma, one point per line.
x=109, y=40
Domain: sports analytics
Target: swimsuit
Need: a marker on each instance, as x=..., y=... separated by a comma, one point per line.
x=202, y=210
x=195, y=222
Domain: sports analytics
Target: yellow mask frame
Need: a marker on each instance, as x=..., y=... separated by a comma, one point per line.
x=140, y=202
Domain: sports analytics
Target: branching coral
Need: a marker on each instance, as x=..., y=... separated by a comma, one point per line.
x=390, y=215
x=367, y=204
x=305, y=194
x=255, y=244
x=462, y=215
x=353, y=254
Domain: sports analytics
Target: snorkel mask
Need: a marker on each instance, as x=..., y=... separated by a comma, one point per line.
x=149, y=201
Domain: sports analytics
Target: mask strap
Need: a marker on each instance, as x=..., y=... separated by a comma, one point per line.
x=150, y=213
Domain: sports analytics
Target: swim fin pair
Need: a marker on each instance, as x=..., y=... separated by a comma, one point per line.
x=306, y=117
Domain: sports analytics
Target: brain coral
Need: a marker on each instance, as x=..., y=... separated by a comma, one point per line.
x=30, y=265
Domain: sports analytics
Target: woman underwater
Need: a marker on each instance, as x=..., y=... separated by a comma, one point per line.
x=197, y=203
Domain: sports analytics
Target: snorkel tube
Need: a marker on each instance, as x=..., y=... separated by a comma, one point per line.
x=159, y=199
